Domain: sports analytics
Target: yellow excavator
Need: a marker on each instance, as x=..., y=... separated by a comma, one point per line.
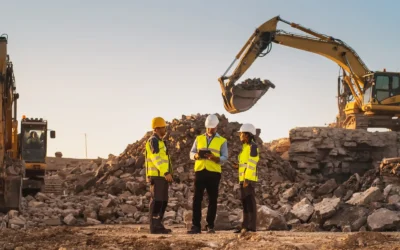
x=22, y=156
x=366, y=99
x=12, y=169
x=33, y=151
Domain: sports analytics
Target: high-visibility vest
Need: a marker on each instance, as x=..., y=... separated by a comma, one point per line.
x=157, y=164
x=215, y=147
x=248, y=159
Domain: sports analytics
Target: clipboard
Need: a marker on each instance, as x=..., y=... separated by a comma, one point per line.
x=203, y=152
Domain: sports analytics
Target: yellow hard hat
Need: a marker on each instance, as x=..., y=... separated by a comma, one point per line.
x=158, y=122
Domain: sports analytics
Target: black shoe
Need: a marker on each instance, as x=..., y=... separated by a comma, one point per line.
x=161, y=231
x=237, y=231
x=210, y=230
x=194, y=230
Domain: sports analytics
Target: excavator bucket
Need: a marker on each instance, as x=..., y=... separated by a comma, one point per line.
x=243, y=96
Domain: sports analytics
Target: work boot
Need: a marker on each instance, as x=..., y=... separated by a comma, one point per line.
x=210, y=230
x=194, y=230
x=156, y=227
x=167, y=230
x=161, y=231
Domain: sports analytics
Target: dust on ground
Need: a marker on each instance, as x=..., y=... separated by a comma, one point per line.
x=137, y=237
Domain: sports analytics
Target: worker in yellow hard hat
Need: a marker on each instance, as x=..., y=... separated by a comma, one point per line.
x=159, y=174
x=248, y=177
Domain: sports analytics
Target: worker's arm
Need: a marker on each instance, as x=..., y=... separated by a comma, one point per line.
x=161, y=164
x=193, y=151
x=224, y=152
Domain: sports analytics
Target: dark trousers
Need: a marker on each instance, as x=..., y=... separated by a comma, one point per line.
x=158, y=203
x=249, y=206
x=209, y=181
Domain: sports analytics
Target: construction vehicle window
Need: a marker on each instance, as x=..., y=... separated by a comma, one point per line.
x=396, y=83
x=33, y=148
x=382, y=82
x=382, y=88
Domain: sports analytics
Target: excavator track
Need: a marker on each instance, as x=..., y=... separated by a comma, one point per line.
x=48, y=184
x=12, y=173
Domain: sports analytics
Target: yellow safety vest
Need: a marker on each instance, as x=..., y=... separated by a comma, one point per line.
x=248, y=162
x=157, y=164
x=214, y=147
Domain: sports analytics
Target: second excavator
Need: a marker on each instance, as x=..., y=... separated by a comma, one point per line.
x=366, y=99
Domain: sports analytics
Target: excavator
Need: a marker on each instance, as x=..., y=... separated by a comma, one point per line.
x=33, y=150
x=12, y=169
x=366, y=99
x=22, y=156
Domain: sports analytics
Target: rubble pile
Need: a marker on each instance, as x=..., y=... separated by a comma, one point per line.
x=254, y=84
x=310, y=196
x=280, y=146
x=338, y=153
x=114, y=190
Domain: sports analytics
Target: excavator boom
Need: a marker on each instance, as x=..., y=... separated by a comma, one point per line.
x=11, y=168
x=263, y=38
x=362, y=91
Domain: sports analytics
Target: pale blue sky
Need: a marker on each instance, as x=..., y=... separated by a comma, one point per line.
x=106, y=68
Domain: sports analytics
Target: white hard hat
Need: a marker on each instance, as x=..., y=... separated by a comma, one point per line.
x=247, y=127
x=211, y=121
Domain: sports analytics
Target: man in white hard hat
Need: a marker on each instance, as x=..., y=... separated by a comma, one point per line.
x=248, y=177
x=209, y=151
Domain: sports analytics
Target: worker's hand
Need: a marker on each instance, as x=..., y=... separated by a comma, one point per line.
x=245, y=183
x=212, y=158
x=196, y=156
x=168, y=177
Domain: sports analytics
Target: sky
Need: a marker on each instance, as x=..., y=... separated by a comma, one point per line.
x=105, y=69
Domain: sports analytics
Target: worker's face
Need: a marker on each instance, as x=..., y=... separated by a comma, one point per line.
x=161, y=131
x=211, y=131
x=244, y=138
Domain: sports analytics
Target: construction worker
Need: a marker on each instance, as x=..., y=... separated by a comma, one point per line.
x=209, y=151
x=248, y=159
x=158, y=174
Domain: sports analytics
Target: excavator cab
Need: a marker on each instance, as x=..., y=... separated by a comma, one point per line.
x=33, y=148
x=242, y=97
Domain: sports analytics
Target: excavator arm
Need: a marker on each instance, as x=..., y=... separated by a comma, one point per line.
x=11, y=168
x=262, y=39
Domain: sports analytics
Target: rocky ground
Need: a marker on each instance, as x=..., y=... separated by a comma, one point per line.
x=316, y=180
x=136, y=237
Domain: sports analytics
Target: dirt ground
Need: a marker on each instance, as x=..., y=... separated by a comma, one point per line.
x=137, y=237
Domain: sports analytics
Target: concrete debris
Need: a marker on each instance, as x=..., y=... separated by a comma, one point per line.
x=331, y=181
x=384, y=219
x=364, y=198
x=303, y=210
x=326, y=153
x=254, y=84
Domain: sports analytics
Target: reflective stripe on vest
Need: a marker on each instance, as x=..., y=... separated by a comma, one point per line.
x=157, y=164
x=214, y=146
x=248, y=164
